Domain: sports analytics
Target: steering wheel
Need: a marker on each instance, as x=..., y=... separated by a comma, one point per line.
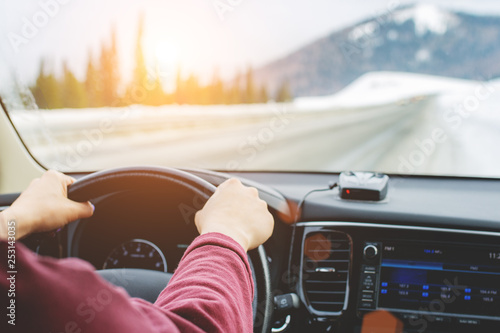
x=147, y=284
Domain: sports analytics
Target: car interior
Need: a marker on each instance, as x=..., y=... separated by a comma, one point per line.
x=374, y=141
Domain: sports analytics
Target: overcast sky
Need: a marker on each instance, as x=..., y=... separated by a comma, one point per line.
x=189, y=32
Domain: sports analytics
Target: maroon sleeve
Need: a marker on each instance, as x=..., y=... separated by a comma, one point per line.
x=212, y=288
x=210, y=291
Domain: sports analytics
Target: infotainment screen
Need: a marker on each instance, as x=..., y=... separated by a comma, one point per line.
x=447, y=281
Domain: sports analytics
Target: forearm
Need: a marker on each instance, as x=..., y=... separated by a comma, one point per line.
x=212, y=286
x=10, y=226
x=3, y=227
x=51, y=293
x=210, y=292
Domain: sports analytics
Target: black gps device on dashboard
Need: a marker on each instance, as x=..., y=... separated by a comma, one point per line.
x=367, y=186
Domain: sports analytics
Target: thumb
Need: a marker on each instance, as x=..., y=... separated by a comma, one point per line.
x=82, y=210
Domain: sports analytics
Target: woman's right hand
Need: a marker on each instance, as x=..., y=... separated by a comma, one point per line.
x=236, y=211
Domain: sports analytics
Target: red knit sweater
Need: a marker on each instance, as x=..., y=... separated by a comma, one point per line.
x=211, y=291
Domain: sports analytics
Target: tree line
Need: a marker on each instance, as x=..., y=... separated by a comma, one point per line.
x=102, y=85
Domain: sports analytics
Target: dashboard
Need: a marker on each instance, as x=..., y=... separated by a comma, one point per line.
x=426, y=259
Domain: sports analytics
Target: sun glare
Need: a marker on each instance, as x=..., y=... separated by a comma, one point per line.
x=167, y=54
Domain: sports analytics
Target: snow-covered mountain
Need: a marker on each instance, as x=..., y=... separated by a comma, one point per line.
x=418, y=38
x=382, y=88
x=427, y=19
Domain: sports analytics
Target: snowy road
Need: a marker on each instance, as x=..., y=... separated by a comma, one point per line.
x=414, y=131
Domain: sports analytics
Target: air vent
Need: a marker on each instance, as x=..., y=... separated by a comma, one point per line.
x=325, y=270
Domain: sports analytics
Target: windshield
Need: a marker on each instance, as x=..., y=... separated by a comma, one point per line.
x=389, y=86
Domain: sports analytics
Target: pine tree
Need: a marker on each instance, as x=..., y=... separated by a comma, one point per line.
x=235, y=93
x=263, y=95
x=216, y=90
x=36, y=90
x=156, y=95
x=193, y=90
x=284, y=95
x=249, y=93
x=140, y=81
x=47, y=90
x=93, y=85
x=109, y=72
x=179, y=88
x=73, y=91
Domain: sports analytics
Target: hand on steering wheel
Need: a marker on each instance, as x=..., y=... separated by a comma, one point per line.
x=44, y=206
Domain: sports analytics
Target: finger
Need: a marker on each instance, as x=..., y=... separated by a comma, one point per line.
x=67, y=180
x=197, y=218
x=230, y=182
x=82, y=210
x=60, y=177
x=263, y=203
x=52, y=174
x=253, y=192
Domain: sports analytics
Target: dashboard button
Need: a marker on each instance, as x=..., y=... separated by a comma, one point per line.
x=442, y=320
x=367, y=305
x=370, y=287
x=468, y=321
x=368, y=281
x=370, y=251
x=367, y=296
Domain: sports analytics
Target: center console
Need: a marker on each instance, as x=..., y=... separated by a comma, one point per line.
x=426, y=279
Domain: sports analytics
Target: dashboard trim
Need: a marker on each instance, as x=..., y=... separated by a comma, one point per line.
x=395, y=226
x=433, y=313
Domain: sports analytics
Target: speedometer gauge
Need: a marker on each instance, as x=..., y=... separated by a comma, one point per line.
x=137, y=253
